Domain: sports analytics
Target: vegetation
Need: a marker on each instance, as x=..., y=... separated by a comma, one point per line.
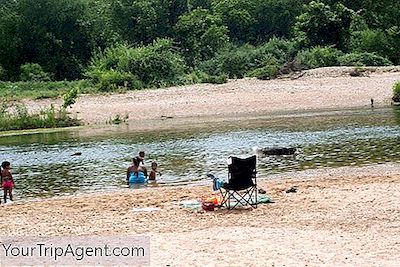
x=47, y=48
x=16, y=117
x=396, y=92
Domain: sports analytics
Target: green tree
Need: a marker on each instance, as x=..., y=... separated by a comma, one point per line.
x=140, y=21
x=323, y=25
x=373, y=41
x=276, y=18
x=55, y=35
x=239, y=16
x=10, y=39
x=200, y=35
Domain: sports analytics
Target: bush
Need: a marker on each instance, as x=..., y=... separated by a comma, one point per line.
x=70, y=97
x=202, y=77
x=20, y=119
x=216, y=79
x=396, y=92
x=238, y=61
x=233, y=61
x=265, y=73
x=155, y=65
x=282, y=50
x=111, y=80
x=319, y=56
x=33, y=72
x=363, y=59
x=372, y=41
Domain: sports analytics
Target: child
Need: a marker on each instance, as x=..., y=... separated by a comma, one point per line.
x=7, y=181
x=154, y=171
x=142, y=165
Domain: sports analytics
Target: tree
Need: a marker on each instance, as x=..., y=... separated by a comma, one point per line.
x=10, y=41
x=200, y=35
x=276, y=18
x=141, y=21
x=323, y=25
x=238, y=16
x=53, y=34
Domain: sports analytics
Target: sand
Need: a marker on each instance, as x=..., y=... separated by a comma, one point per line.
x=346, y=216
x=320, y=89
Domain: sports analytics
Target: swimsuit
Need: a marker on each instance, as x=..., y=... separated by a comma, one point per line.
x=137, y=178
x=7, y=184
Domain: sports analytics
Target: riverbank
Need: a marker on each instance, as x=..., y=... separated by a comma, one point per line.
x=338, y=217
x=319, y=89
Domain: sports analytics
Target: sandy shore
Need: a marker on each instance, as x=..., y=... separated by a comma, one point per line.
x=325, y=88
x=338, y=217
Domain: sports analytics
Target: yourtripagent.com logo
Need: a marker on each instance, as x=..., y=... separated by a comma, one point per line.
x=31, y=251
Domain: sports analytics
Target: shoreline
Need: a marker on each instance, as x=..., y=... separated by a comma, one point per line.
x=324, y=88
x=339, y=216
x=391, y=168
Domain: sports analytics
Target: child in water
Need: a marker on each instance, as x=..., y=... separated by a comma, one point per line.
x=154, y=171
x=7, y=181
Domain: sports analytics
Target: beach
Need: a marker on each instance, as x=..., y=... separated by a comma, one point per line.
x=329, y=88
x=347, y=216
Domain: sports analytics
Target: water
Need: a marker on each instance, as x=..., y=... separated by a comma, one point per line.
x=43, y=165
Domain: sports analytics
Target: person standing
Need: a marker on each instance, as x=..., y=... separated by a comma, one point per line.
x=7, y=180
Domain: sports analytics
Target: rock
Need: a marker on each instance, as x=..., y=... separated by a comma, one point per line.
x=293, y=189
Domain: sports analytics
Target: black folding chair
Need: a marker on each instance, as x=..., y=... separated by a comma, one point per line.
x=241, y=188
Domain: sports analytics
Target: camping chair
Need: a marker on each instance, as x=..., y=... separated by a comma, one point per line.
x=242, y=183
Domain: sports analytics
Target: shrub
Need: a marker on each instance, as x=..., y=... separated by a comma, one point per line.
x=233, y=61
x=372, y=41
x=266, y=72
x=238, y=61
x=20, y=119
x=216, y=79
x=396, y=88
x=319, y=56
x=281, y=49
x=396, y=92
x=111, y=80
x=155, y=65
x=363, y=59
x=70, y=97
x=33, y=72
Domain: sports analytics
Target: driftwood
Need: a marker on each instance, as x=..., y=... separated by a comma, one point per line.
x=277, y=151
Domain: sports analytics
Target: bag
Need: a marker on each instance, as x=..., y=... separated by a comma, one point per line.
x=207, y=205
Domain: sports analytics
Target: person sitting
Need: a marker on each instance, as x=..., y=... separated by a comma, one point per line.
x=134, y=174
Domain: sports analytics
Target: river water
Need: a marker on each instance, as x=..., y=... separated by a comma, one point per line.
x=43, y=165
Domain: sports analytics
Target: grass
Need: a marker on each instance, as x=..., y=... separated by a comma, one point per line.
x=396, y=88
x=18, y=118
x=40, y=89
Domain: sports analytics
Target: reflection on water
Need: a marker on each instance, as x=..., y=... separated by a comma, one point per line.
x=43, y=165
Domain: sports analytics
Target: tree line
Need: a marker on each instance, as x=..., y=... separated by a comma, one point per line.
x=152, y=43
